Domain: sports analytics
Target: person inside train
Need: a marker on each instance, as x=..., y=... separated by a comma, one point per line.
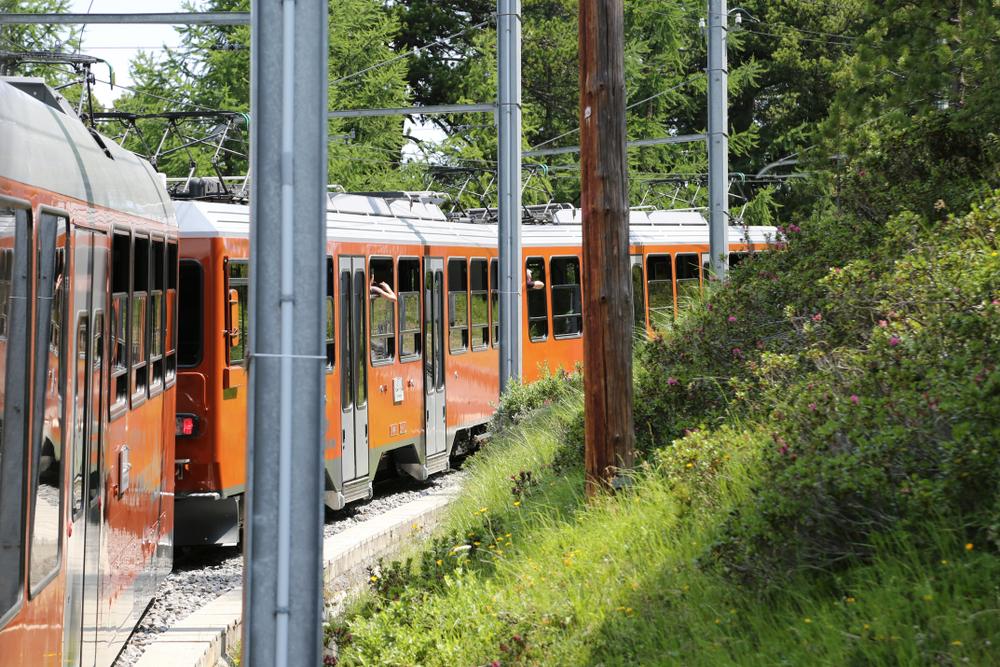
x=531, y=282
x=380, y=289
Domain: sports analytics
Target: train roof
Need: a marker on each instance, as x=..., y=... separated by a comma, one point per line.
x=376, y=220
x=46, y=145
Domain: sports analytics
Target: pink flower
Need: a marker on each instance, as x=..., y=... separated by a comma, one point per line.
x=709, y=307
x=794, y=229
x=818, y=317
x=672, y=381
x=732, y=318
x=883, y=324
x=738, y=353
x=812, y=407
x=894, y=341
x=855, y=399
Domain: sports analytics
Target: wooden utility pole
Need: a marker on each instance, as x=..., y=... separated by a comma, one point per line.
x=607, y=293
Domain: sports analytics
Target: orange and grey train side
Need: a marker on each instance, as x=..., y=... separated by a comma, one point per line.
x=408, y=380
x=88, y=256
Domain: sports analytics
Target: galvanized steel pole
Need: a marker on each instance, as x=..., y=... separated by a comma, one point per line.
x=283, y=582
x=509, y=229
x=718, y=138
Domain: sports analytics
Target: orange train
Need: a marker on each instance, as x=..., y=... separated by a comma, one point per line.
x=412, y=328
x=88, y=286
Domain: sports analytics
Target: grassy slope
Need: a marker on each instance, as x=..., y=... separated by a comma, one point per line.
x=527, y=573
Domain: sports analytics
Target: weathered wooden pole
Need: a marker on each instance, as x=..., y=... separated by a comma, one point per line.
x=607, y=295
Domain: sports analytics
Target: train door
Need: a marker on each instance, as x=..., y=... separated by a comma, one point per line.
x=435, y=425
x=87, y=338
x=353, y=369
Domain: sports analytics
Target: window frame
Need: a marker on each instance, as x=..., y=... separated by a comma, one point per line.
x=544, y=292
x=172, y=277
x=156, y=386
x=459, y=260
x=391, y=335
x=649, y=292
x=229, y=284
x=418, y=355
x=119, y=406
x=330, y=344
x=139, y=367
x=201, y=313
x=493, y=278
x=695, y=262
x=485, y=292
x=551, y=290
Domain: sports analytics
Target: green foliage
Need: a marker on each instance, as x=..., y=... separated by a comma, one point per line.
x=520, y=400
x=38, y=38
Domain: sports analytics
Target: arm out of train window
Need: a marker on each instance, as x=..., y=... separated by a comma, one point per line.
x=567, y=310
x=538, y=308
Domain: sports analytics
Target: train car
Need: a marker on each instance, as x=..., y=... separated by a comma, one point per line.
x=412, y=334
x=88, y=285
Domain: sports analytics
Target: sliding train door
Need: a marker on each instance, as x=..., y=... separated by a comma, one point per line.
x=435, y=425
x=353, y=368
x=87, y=319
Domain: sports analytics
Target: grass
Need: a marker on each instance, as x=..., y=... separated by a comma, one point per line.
x=619, y=582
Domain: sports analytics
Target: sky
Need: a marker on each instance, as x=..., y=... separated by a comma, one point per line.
x=119, y=44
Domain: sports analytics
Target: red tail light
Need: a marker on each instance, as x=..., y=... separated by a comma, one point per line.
x=186, y=425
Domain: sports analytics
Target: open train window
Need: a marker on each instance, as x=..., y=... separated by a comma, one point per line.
x=638, y=297
x=538, y=308
x=567, y=309
x=139, y=318
x=495, y=301
x=331, y=327
x=479, y=315
x=237, y=292
x=409, y=309
x=660, y=286
x=156, y=316
x=170, y=316
x=382, y=294
x=47, y=436
x=190, y=315
x=458, y=305
x=15, y=286
x=688, y=277
x=121, y=253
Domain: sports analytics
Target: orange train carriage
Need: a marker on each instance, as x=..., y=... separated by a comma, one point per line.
x=88, y=257
x=412, y=326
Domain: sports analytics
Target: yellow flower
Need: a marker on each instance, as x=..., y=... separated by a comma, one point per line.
x=994, y=253
x=374, y=578
x=475, y=544
x=807, y=620
x=944, y=562
x=628, y=610
x=507, y=535
x=928, y=597
x=439, y=561
x=718, y=621
x=867, y=627
x=517, y=503
x=969, y=546
x=849, y=600
x=957, y=642
x=690, y=465
x=482, y=510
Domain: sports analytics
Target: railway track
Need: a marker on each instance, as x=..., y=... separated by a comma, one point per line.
x=202, y=574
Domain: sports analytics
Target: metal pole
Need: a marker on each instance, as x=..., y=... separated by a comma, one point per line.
x=283, y=582
x=607, y=283
x=509, y=229
x=165, y=18
x=718, y=138
x=414, y=111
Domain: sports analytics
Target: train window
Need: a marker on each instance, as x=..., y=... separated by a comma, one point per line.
x=737, y=257
x=47, y=441
x=121, y=253
x=346, y=339
x=495, y=301
x=170, y=316
x=15, y=284
x=139, y=319
x=688, y=278
x=331, y=328
x=409, y=309
x=638, y=297
x=659, y=284
x=538, y=309
x=479, y=315
x=237, y=292
x=156, y=317
x=190, y=303
x=382, y=295
x=458, y=306
x=567, y=310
